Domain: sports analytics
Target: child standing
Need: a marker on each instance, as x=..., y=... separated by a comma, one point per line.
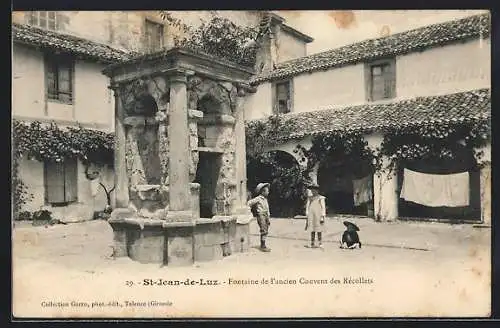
x=315, y=212
x=260, y=209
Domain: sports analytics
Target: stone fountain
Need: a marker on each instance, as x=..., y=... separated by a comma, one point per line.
x=180, y=173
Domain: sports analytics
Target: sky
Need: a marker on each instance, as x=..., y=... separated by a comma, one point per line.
x=332, y=29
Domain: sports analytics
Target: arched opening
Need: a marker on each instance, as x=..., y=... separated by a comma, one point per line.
x=209, y=105
x=288, y=184
x=347, y=184
x=462, y=162
x=210, y=167
x=147, y=139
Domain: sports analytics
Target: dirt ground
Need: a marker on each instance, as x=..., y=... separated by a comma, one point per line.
x=404, y=269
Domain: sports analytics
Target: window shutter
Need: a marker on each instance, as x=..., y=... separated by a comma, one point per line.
x=290, y=96
x=368, y=82
x=274, y=98
x=70, y=180
x=51, y=79
x=391, y=76
x=54, y=182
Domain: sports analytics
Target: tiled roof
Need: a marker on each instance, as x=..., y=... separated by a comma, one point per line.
x=450, y=108
x=393, y=45
x=67, y=43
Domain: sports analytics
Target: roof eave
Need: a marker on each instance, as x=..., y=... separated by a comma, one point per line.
x=100, y=59
x=304, y=37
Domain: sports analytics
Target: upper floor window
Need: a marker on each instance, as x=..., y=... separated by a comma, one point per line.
x=153, y=35
x=43, y=19
x=381, y=80
x=59, y=78
x=282, y=97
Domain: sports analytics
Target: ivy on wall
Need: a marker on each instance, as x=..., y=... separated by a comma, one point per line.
x=49, y=143
x=262, y=134
x=408, y=143
x=430, y=142
x=435, y=142
x=349, y=148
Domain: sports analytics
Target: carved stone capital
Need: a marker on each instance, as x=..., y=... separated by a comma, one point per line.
x=178, y=78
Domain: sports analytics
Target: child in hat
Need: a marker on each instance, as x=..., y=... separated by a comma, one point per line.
x=260, y=209
x=350, y=237
x=315, y=212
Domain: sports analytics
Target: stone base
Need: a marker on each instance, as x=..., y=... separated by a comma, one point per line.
x=177, y=243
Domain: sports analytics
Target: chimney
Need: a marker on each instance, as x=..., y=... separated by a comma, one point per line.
x=267, y=54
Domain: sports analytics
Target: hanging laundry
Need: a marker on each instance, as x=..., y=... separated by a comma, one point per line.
x=362, y=190
x=433, y=190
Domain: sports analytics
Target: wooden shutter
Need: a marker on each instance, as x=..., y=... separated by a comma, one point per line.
x=64, y=81
x=290, y=96
x=70, y=180
x=51, y=73
x=274, y=98
x=54, y=182
x=390, y=76
x=368, y=82
x=377, y=82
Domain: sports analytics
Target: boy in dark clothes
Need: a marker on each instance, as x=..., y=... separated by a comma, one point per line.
x=350, y=237
x=260, y=209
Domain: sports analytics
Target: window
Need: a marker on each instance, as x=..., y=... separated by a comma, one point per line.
x=283, y=97
x=59, y=74
x=61, y=182
x=153, y=36
x=43, y=19
x=381, y=80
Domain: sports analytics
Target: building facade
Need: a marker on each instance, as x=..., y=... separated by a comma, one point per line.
x=58, y=59
x=57, y=80
x=435, y=74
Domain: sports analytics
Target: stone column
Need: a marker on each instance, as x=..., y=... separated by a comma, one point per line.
x=179, y=152
x=485, y=185
x=385, y=195
x=385, y=184
x=120, y=168
x=240, y=153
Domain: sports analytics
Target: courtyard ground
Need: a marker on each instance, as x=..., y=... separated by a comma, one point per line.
x=404, y=269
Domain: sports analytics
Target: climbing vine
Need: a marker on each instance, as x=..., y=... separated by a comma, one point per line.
x=49, y=143
x=218, y=37
x=349, y=148
x=430, y=142
x=261, y=134
x=288, y=181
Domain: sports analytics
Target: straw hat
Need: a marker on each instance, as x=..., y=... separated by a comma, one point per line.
x=351, y=226
x=260, y=186
x=313, y=186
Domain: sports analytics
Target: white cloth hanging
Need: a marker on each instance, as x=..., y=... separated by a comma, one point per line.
x=362, y=190
x=436, y=190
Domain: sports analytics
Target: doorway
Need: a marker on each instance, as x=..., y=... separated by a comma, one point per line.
x=207, y=175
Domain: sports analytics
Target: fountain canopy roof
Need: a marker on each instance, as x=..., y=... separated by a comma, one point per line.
x=178, y=61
